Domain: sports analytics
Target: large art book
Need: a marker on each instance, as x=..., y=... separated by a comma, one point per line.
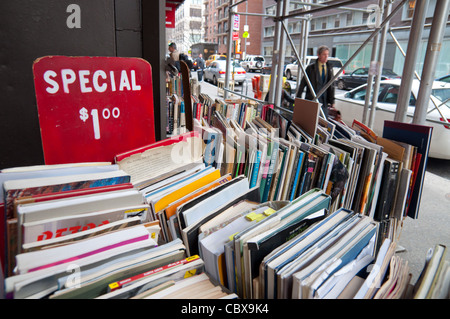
x=150, y=161
x=27, y=187
x=43, y=171
x=419, y=136
x=19, y=188
x=306, y=115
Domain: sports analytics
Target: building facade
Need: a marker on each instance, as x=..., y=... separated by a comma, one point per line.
x=188, y=25
x=344, y=31
x=216, y=26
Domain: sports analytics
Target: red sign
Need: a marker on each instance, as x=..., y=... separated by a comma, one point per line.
x=92, y=108
x=170, y=15
x=235, y=35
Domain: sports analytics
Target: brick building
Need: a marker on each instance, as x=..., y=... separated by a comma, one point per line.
x=216, y=26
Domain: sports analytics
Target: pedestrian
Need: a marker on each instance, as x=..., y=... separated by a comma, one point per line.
x=319, y=74
x=200, y=67
x=173, y=60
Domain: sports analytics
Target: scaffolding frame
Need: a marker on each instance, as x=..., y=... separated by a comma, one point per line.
x=305, y=14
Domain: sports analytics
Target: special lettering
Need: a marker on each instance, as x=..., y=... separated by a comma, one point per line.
x=98, y=81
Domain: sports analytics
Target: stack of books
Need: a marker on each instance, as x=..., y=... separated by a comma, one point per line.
x=248, y=205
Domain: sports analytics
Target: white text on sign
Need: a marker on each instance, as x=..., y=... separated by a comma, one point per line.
x=106, y=113
x=100, y=81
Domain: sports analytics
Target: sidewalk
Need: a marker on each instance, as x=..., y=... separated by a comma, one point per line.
x=432, y=226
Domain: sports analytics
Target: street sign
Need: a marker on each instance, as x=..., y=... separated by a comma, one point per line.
x=170, y=15
x=245, y=34
x=92, y=108
x=235, y=35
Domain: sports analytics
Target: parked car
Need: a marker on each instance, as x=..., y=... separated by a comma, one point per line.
x=292, y=69
x=214, y=57
x=360, y=76
x=216, y=70
x=253, y=63
x=267, y=69
x=445, y=78
x=351, y=105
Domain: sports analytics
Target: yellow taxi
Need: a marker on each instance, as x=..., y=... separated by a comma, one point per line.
x=215, y=57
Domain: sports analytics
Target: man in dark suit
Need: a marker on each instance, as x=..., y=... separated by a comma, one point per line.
x=319, y=73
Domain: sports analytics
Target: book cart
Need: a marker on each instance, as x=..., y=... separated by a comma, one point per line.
x=247, y=204
x=239, y=202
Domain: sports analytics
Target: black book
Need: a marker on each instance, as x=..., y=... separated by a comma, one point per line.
x=389, y=182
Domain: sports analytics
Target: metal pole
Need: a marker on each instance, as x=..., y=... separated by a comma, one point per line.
x=300, y=63
x=276, y=47
x=418, y=78
x=381, y=53
x=402, y=51
x=415, y=37
x=341, y=8
x=325, y=7
x=263, y=15
x=431, y=58
x=236, y=4
x=370, y=77
x=230, y=43
x=303, y=45
x=281, y=51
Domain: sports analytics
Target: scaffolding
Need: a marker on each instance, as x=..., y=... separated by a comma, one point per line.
x=383, y=10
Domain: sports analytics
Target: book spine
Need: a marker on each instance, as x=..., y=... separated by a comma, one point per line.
x=307, y=176
x=182, y=115
x=265, y=168
x=255, y=171
x=125, y=282
x=270, y=173
x=290, y=181
x=280, y=175
x=295, y=191
x=385, y=201
x=199, y=111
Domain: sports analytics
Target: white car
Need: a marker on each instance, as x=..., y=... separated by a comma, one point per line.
x=351, y=106
x=292, y=69
x=216, y=70
x=253, y=63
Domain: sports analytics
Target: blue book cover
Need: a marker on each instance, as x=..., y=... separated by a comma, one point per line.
x=297, y=173
x=255, y=171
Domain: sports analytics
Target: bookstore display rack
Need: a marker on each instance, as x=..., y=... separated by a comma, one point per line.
x=247, y=205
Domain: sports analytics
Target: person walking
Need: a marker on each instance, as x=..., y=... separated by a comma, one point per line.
x=173, y=60
x=200, y=67
x=319, y=74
